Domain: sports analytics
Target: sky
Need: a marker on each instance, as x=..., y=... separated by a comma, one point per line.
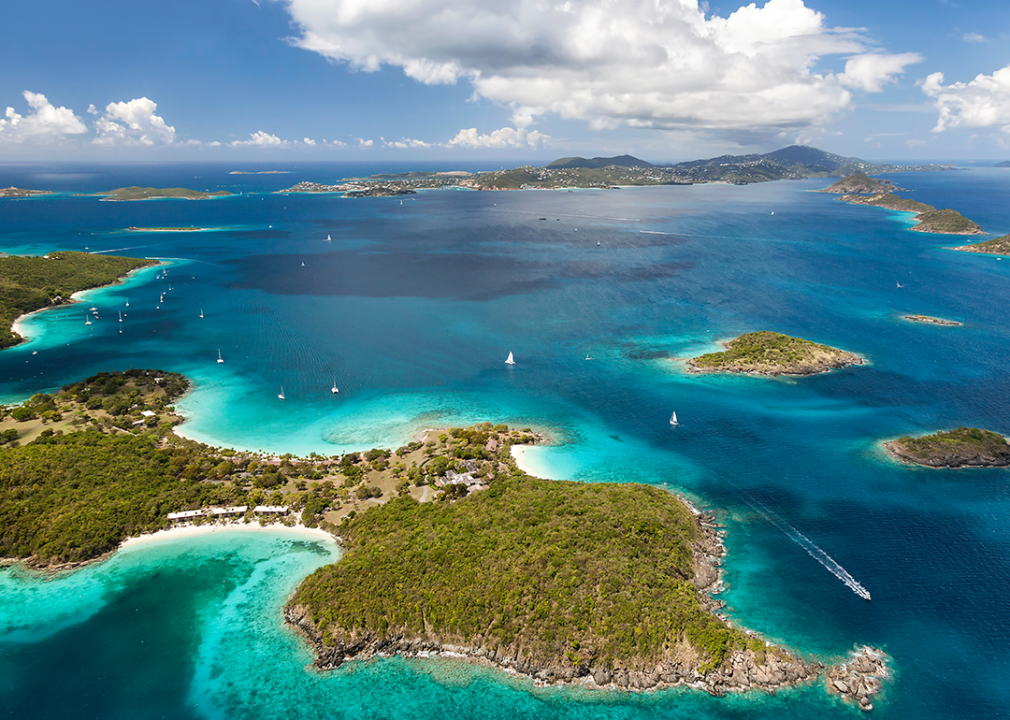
x=509, y=80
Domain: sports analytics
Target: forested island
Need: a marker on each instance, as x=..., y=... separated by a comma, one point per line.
x=998, y=246
x=30, y=283
x=142, y=193
x=959, y=448
x=930, y=220
x=771, y=353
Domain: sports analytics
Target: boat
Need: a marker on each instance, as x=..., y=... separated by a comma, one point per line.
x=334, y=388
x=303, y=264
x=329, y=239
x=281, y=396
x=510, y=360
x=127, y=303
x=588, y=357
x=673, y=418
x=201, y=312
x=219, y=358
x=899, y=284
x=87, y=320
x=120, y=316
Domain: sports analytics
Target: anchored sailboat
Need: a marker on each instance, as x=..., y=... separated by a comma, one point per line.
x=219, y=358
x=87, y=320
x=281, y=396
x=334, y=388
x=510, y=360
x=329, y=239
x=673, y=418
x=120, y=316
x=201, y=312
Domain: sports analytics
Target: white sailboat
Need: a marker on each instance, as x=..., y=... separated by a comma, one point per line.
x=127, y=303
x=673, y=418
x=87, y=320
x=219, y=358
x=334, y=389
x=201, y=312
x=281, y=396
x=510, y=360
x=120, y=316
x=329, y=239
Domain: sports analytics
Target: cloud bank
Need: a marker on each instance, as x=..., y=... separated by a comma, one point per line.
x=638, y=63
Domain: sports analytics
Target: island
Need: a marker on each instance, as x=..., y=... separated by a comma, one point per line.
x=141, y=193
x=771, y=353
x=929, y=219
x=860, y=184
x=959, y=448
x=30, y=283
x=1004, y=164
x=930, y=320
x=14, y=192
x=189, y=228
x=449, y=545
x=998, y=246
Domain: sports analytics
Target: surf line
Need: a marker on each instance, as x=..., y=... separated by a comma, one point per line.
x=812, y=549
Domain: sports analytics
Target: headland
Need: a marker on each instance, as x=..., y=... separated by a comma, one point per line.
x=998, y=246
x=928, y=218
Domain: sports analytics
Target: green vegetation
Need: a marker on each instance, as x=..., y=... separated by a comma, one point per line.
x=32, y=283
x=860, y=183
x=999, y=246
x=20, y=192
x=889, y=201
x=142, y=193
x=565, y=573
x=773, y=354
x=947, y=222
x=962, y=447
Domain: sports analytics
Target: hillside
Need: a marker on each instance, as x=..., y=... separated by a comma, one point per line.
x=598, y=162
x=999, y=246
x=888, y=201
x=962, y=447
x=860, y=184
x=947, y=222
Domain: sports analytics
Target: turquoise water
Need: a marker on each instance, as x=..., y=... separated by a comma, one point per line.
x=411, y=310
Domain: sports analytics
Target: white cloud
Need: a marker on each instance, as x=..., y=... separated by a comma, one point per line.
x=132, y=123
x=501, y=138
x=983, y=102
x=641, y=63
x=405, y=143
x=971, y=37
x=308, y=141
x=44, y=123
x=870, y=72
x=260, y=139
x=365, y=143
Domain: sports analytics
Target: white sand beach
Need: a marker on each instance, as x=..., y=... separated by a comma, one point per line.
x=189, y=531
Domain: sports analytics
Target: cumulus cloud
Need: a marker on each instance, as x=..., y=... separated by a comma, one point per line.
x=43, y=123
x=308, y=141
x=870, y=72
x=405, y=144
x=971, y=37
x=641, y=63
x=983, y=102
x=501, y=138
x=365, y=143
x=260, y=139
x=132, y=123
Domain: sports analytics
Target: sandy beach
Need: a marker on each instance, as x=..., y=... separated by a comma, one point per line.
x=190, y=531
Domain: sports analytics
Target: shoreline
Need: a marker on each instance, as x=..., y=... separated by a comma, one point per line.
x=17, y=326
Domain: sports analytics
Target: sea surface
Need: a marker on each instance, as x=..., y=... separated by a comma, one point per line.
x=410, y=309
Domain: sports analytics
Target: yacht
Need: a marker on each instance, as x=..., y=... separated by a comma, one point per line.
x=281, y=396
x=510, y=360
x=673, y=418
x=334, y=389
x=201, y=312
x=219, y=358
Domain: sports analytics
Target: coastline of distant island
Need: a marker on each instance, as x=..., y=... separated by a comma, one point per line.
x=963, y=447
x=770, y=353
x=997, y=246
x=931, y=320
x=136, y=193
x=14, y=192
x=189, y=228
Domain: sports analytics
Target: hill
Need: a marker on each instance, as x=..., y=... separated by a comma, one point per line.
x=999, y=246
x=771, y=353
x=599, y=162
x=142, y=193
x=860, y=184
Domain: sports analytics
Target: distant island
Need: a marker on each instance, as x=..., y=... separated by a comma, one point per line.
x=259, y=172
x=13, y=192
x=142, y=193
x=189, y=228
x=1004, y=164
x=931, y=320
x=598, y=162
x=771, y=353
x=860, y=184
x=963, y=447
x=30, y=283
x=999, y=246
x=929, y=219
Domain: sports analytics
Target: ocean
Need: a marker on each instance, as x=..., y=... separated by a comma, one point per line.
x=411, y=309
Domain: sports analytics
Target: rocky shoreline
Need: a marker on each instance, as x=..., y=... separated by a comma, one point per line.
x=952, y=459
x=768, y=669
x=931, y=320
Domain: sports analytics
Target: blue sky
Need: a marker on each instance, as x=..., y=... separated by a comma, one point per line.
x=665, y=80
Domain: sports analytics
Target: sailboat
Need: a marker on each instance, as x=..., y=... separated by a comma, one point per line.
x=219, y=358
x=281, y=396
x=303, y=264
x=120, y=316
x=334, y=388
x=510, y=360
x=329, y=239
x=673, y=418
x=127, y=303
x=201, y=312
x=87, y=320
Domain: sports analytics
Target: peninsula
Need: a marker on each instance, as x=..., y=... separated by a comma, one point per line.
x=929, y=219
x=771, y=353
x=30, y=283
x=998, y=246
x=141, y=193
x=962, y=447
x=13, y=192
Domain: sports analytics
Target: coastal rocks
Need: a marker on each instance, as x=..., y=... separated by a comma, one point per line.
x=770, y=353
x=931, y=320
x=859, y=679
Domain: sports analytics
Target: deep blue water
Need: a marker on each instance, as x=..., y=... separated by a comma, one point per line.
x=411, y=310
